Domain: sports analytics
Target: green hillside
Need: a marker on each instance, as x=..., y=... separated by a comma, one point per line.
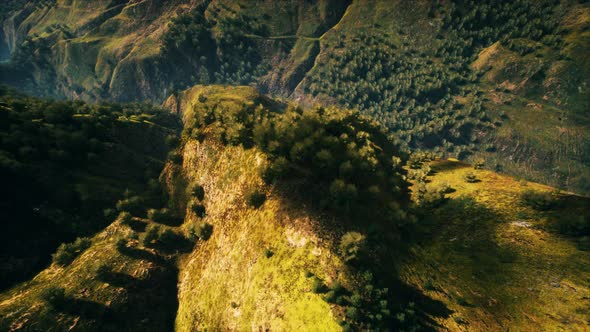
x=62, y=164
x=465, y=79
x=272, y=223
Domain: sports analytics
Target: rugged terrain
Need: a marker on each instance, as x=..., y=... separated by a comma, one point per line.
x=507, y=82
x=476, y=255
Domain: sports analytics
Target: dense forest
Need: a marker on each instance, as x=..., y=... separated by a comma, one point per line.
x=62, y=163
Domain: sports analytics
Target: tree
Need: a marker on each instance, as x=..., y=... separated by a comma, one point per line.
x=351, y=246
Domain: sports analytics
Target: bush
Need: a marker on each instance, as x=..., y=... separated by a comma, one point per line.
x=351, y=246
x=204, y=231
x=540, y=201
x=268, y=253
x=198, y=209
x=109, y=214
x=162, y=216
x=431, y=197
x=197, y=191
x=125, y=217
x=54, y=296
x=103, y=271
x=134, y=205
x=471, y=177
x=318, y=286
x=121, y=244
x=175, y=157
x=479, y=163
x=574, y=225
x=168, y=237
x=67, y=252
x=352, y=313
x=172, y=141
x=151, y=236
x=277, y=170
x=255, y=198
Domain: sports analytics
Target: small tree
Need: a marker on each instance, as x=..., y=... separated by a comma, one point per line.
x=151, y=236
x=161, y=216
x=351, y=245
x=67, y=252
x=479, y=163
x=125, y=217
x=204, y=231
x=198, y=209
x=255, y=198
x=175, y=157
x=197, y=191
x=471, y=178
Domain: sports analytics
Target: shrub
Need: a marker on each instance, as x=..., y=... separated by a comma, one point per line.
x=197, y=191
x=172, y=141
x=431, y=197
x=121, y=244
x=125, y=217
x=161, y=216
x=204, y=231
x=351, y=245
x=318, y=286
x=133, y=205
x=175, y=157
x=541, y=201
x=151, y=236
x=352, y=313
x=331, y=297
x=109, y=214
x=198, y=209
x=255, y=198
x=574, y=225
x=55, y=296
x=470, y=177
x=167, y=237
x=67, y=252
x=479, y=163
x=268, y=253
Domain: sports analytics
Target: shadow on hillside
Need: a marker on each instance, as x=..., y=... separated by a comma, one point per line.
x=136, y=225
x=86, y=309
x=461, y=233
x=144, y=255
x=446, y=165
x=460, y=237
x=151, y=302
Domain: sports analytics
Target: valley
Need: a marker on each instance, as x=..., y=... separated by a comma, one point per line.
x=321, y=165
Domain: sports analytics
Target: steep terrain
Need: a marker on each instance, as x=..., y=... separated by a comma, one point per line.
x=466, y=79
x=251, y=238
x=498, y=262
x=62, y=164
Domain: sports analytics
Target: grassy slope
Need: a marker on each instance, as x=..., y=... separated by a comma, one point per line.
x=228, y=282
x=140, y=292
x=497, y=263
x=482, y=261
x=545, y=136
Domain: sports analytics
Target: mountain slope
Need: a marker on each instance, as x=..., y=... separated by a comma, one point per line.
x=252, y=241
x=499, y=263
